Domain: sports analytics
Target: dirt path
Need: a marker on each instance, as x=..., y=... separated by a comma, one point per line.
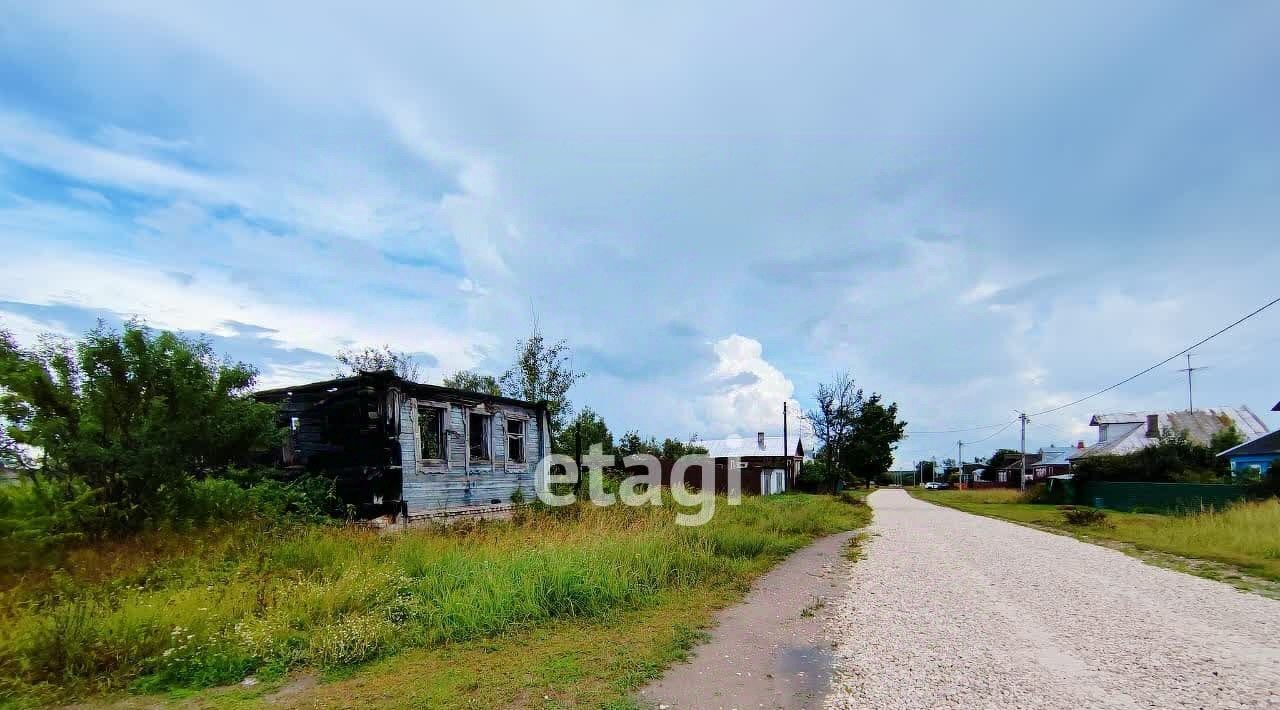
x=952, y=610
x=770, y=651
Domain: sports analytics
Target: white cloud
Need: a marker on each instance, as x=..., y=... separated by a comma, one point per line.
x=27, y=330
x=208, y=300
x=748, y=391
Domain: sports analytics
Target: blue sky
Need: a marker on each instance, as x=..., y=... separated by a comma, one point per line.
x=973, y=209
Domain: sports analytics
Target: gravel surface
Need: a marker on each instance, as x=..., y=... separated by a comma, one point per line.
x=951, y=610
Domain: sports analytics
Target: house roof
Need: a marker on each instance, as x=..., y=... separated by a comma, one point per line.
x=388, y=377
x=1276, y=408
x=1199, y=425
x=1015, y=463
x=741, y=447
x=1055, y=455
x=1265, y=444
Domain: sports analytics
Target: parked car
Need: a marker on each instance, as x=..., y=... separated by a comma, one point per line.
x=936, y=485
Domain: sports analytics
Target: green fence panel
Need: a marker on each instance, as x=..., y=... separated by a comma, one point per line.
x=1158, y=497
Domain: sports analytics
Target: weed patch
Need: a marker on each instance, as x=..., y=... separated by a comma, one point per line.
x=328, y=597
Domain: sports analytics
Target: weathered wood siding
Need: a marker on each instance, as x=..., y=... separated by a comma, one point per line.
x=462, y=482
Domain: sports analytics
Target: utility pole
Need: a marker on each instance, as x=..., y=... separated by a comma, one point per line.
x=1022, y=481
x=960, y=460
x=1189, y=369
x=786, y=453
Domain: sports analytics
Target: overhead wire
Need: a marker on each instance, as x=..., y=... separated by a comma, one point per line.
x=1104, y=390
x=1163, y=362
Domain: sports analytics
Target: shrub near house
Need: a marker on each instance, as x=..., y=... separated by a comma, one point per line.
x=127, y=420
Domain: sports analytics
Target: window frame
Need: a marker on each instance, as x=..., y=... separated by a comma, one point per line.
x=486, y=436
x=523, y=423
x=442, y=411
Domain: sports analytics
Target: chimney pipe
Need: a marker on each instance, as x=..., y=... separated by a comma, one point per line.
x=1080, y=444
x=1153, y=426
x=760, y=439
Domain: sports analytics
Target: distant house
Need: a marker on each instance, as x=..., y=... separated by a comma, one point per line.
x=1254, y=457
x=1127, y=432
x=1052, y=461
x=764, y=459
x=399, y=447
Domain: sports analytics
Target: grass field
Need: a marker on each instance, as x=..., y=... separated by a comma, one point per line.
x=1244, y=535
x=568, y=608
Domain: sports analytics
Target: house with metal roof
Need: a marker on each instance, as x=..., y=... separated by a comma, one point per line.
x=1254, y=458
x=1127, y=432
x=771, y=460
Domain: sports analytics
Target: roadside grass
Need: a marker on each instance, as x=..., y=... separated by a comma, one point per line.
x=1245, y=535
x=342, y=601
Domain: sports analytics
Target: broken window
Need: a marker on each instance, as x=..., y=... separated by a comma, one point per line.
x=478, y=436
x=431, y=433
x=515, y=440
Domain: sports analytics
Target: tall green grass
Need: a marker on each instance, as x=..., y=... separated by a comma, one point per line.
x=1245, y=534
x=326, y=597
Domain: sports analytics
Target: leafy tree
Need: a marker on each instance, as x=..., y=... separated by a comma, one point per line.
x=542, y=372
x=949, y=467
x=674, y=448
x=473, y=382
x=832, y=420
x=631, y=443
x=857, y=434
x=592, y=429
x=133, y=415
x=1225, y=438
x=998, y=460
x=814, y=475
x=353, y=361
x=874, y=434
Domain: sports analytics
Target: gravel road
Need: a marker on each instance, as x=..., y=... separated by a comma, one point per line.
x=951, y=610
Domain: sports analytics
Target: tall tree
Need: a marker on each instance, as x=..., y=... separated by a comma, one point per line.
x=473, y=382
x=353, y=361
x=832, y=420
x=542, y=372
x=873, y=436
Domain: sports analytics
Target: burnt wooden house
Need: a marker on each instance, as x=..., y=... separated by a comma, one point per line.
x=400, y=447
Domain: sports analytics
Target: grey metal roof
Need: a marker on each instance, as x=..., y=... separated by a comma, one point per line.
x=1119, y=418
x=1199, y=425
x=741, y=447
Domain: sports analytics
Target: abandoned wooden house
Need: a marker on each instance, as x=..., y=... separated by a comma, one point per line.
x=404, y=448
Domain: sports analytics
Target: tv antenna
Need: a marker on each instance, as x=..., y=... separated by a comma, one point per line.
x=1189, y=369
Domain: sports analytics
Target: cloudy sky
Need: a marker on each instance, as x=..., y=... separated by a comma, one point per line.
x=973, y=209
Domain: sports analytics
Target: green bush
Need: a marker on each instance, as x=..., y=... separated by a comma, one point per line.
x=1174, y=459
x=1084, y=516
x=1037, y=493
x=135, y=416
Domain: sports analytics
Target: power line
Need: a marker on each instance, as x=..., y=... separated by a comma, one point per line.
x=992, y=436
x=1163, y=362
x=954, y=431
